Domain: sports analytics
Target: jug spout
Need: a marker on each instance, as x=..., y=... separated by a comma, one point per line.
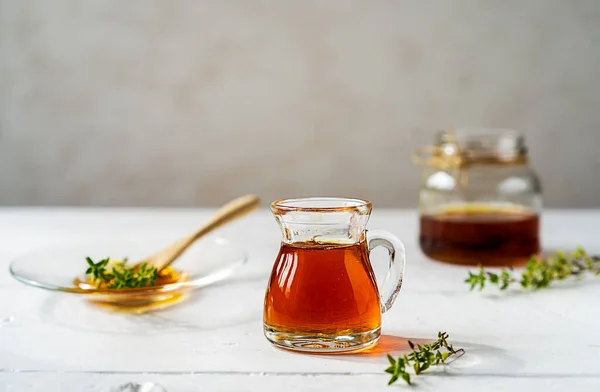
x=322, y=220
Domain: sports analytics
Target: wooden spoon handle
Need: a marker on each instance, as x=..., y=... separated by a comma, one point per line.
x=233, y=210
x=229, y=212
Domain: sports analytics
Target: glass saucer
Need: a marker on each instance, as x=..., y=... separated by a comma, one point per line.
x=55, y=267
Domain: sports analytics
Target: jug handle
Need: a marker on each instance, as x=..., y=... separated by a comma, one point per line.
x=392, y=283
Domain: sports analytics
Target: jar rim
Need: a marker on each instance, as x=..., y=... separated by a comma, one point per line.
x=321, y=204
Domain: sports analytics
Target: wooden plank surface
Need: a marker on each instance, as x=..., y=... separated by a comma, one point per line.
x=514, y=341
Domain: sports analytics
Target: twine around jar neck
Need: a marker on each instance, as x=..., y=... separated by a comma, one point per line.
x=448, y=155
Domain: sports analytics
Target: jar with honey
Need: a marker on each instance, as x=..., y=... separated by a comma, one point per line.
x=479, y=201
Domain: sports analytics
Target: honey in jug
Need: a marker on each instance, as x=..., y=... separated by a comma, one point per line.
x=474, y=234
x=322, y=289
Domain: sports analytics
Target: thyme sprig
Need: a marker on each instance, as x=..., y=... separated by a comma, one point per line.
x=540, y=272
x=119, y=275
x=421, y=358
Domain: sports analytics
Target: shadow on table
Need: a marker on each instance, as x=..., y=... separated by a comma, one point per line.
x=484, y=358
x=199, y=312
x=390, y=344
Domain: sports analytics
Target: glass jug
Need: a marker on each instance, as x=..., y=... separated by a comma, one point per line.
x=322, y=295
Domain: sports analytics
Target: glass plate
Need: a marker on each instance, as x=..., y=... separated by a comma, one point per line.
x=55, y=267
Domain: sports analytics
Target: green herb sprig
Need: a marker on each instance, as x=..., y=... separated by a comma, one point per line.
x=97, y=270
x=121, y=276
x=421, y=358
x=539, y=272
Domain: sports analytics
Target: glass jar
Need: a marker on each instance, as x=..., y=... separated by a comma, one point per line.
x=479, y=200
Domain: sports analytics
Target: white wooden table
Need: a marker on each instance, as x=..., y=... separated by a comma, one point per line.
x=549, y=340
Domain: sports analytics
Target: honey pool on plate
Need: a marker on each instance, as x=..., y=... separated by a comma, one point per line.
x=479, y=234
x=138, y=300
x=166, y=276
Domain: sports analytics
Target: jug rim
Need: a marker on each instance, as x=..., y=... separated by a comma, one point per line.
x=321, y=204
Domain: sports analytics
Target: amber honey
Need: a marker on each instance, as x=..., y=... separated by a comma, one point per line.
x=166, y=276
x=486, y=235
x=322, y=290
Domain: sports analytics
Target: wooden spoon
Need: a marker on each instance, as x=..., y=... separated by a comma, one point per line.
x=231, y=211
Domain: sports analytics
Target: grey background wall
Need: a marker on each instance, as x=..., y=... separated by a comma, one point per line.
x=187, y=103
